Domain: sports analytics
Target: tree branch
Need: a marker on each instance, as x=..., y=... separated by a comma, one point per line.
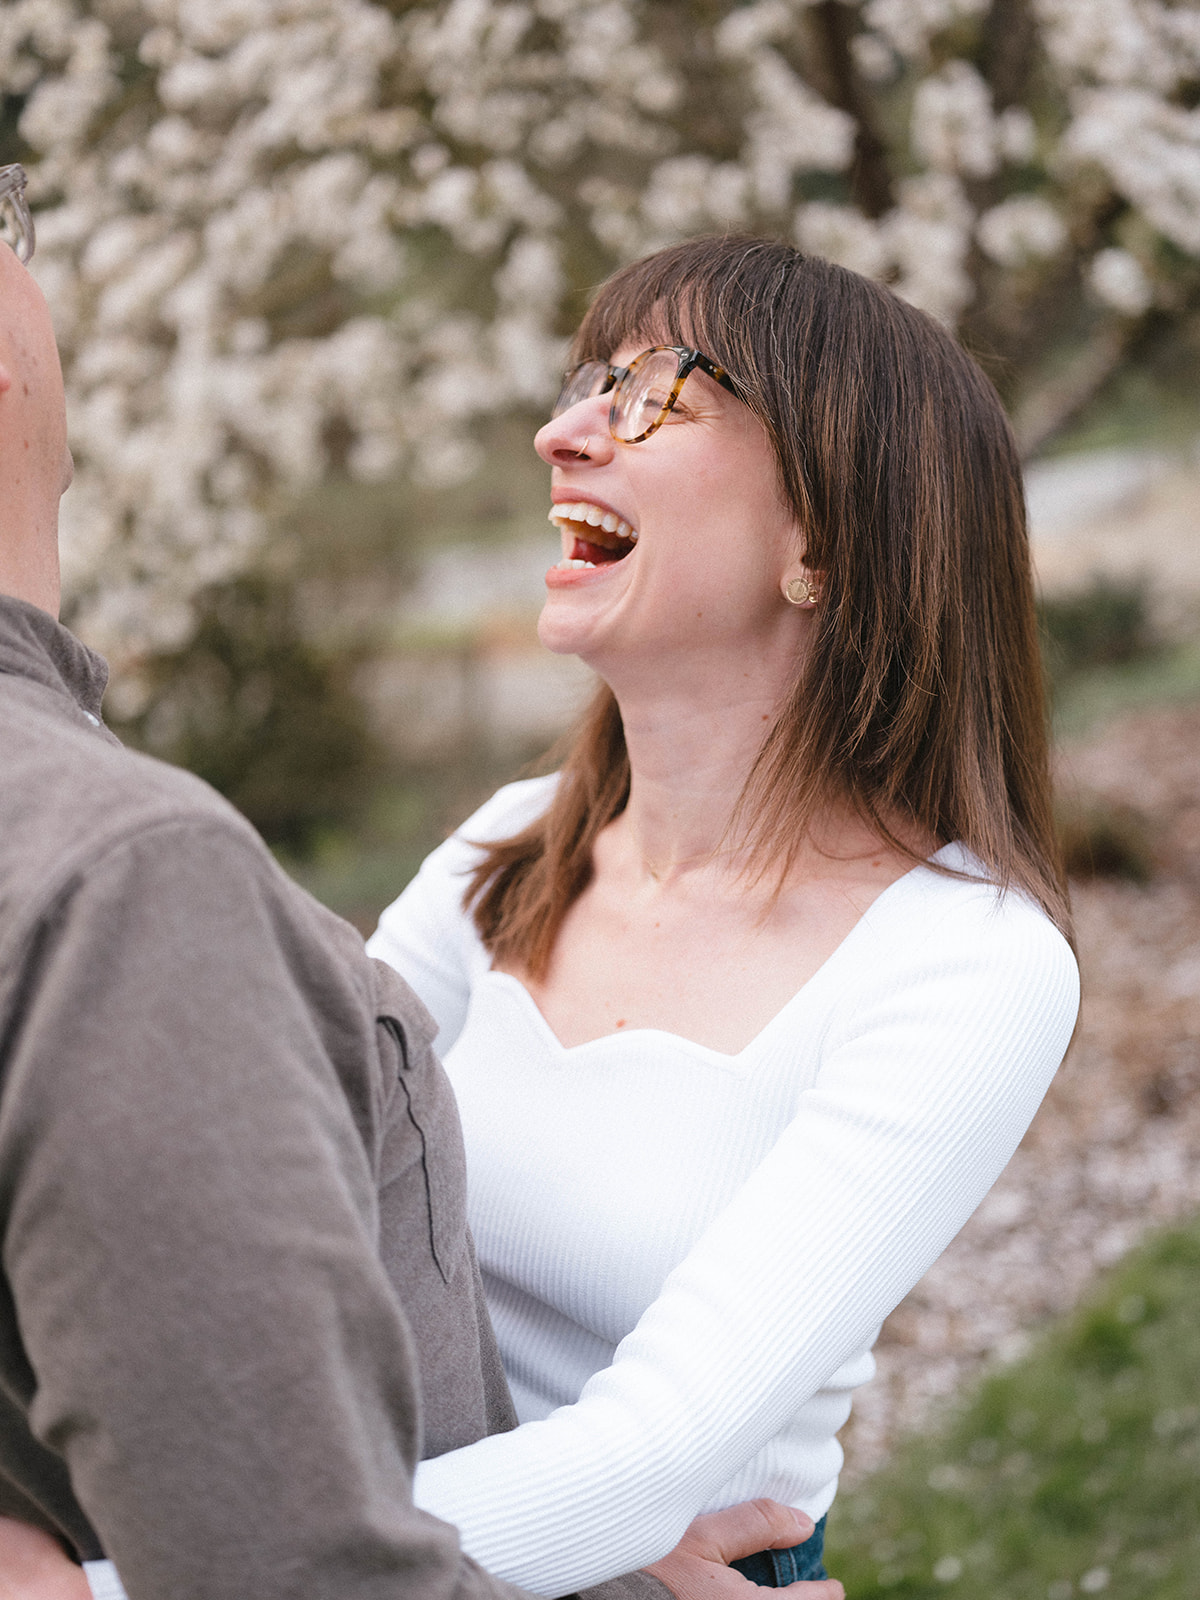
x=1049, y=409
x=1007, y=48
x=870, y=173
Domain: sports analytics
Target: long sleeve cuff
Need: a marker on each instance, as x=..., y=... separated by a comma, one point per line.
x=104, y=1581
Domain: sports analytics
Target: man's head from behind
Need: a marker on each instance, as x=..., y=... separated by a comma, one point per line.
x=35, y=464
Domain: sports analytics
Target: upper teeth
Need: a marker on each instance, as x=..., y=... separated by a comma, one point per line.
x=585, y=511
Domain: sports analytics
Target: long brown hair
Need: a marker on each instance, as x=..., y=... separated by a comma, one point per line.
x=920, y=697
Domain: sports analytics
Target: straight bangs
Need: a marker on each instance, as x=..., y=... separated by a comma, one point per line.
x=656, y=299
x=681, y=296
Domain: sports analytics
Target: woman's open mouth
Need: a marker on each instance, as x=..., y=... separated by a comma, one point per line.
x=598, y=537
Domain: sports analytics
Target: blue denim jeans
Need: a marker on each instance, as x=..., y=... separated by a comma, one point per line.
x=775, y=1569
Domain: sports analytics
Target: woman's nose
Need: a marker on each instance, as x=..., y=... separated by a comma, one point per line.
x=579, y=434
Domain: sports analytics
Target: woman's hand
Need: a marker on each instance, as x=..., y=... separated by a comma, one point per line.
x=698, y=1567
x=33, y=1566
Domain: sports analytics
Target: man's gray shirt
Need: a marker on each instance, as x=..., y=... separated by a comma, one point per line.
x=231, y=1192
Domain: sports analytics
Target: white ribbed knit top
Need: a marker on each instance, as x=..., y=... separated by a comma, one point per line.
x=687, y=1254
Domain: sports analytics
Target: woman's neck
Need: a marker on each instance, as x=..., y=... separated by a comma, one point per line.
x=689, y=759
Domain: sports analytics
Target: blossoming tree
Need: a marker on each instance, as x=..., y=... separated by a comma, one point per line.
x=282, y=236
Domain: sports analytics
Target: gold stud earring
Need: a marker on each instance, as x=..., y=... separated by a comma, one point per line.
x=800, y=591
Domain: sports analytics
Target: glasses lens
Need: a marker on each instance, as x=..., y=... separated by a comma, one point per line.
x=581, y=383
x=16, y=225
x=642, y=397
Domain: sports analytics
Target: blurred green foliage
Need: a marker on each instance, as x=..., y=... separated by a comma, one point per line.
x=1075, y=1471
x=1105, y=624
x=1151, y=402
x=262, y=713
x=1085, y=700
x=1100, y=637
x=358, y=871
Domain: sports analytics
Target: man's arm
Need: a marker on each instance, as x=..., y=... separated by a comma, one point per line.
x=207, y=1336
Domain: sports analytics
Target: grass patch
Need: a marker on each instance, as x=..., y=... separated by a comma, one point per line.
x=1076, y=1471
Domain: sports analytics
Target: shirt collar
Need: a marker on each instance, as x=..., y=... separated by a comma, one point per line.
x=34, y=645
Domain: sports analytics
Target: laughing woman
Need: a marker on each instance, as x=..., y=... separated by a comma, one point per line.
x=749, y=1005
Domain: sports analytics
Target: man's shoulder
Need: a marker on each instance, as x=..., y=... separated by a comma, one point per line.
x=115, y=834
x=71, y=793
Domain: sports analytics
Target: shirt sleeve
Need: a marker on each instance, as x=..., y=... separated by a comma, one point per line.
x=932, y=1069
x=209, y=1342
x=426, y=935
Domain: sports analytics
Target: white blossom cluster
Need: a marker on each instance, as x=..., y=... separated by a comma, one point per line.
x=281, y=236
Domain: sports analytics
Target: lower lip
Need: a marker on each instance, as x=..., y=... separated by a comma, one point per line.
x=579, y=577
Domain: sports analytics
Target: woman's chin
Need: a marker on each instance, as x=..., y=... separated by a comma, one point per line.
x=561, y=632
x=572, y=620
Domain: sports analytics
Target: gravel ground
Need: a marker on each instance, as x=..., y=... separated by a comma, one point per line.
x=1115, y=1149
